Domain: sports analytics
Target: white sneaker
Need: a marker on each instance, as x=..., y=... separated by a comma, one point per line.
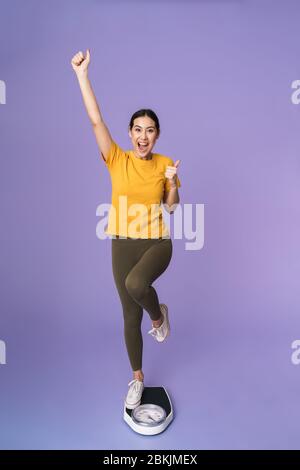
x=163, y=330
x=134, y=395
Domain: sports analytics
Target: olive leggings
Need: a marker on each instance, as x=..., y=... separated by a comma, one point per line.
x=136, y=264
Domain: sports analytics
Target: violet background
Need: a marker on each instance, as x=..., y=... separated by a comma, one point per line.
x=219, y=74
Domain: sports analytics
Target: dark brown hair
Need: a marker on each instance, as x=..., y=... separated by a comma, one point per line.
x=145, y=112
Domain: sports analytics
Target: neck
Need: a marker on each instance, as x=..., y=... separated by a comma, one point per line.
x=147, y=157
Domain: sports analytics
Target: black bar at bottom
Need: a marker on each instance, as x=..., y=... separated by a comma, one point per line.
x=135, y=458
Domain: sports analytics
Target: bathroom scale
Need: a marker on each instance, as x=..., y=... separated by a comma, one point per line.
x=153, y=415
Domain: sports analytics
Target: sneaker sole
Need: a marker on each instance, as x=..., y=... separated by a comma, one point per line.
x=131, y=406
x=168, y=323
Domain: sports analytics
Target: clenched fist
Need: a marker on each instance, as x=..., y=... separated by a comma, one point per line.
x=80, y=63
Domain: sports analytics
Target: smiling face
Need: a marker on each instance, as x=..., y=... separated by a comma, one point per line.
x=143, y=136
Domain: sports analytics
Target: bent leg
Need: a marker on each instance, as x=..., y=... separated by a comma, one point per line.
x=150, y=266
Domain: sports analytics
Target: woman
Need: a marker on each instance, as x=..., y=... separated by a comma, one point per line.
x=142, y=248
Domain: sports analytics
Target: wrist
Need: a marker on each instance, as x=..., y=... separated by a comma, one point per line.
x=82, y=75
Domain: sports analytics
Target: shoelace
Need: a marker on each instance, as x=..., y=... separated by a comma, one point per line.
x=136, y=386
x=157, y=331
x=153, y=332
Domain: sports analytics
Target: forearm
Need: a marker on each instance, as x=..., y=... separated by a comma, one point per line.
x=173, y=198
x=89, y=99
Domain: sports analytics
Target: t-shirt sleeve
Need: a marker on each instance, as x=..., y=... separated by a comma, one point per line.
x=167, y=182
x=114, y=155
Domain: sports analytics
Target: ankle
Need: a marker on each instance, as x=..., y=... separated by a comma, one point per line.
x=158, y=323
x=138, y=376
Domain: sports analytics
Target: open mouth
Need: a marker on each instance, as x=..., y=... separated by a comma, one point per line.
x=142, y=147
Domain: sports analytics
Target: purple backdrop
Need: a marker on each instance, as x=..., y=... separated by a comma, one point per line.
x=219, y=75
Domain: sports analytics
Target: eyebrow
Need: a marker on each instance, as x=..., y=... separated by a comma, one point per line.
x=149, y=127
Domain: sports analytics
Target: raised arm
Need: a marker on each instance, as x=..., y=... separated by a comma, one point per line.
x=80, y=66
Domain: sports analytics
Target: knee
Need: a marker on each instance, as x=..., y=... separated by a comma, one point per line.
x=135, y=287
x=132, y=326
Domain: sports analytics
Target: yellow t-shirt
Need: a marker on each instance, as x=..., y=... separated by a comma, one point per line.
x=138, y=187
